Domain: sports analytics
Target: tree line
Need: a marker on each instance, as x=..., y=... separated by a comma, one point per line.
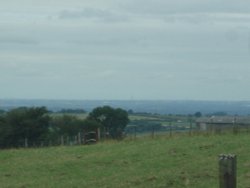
x=37, y=124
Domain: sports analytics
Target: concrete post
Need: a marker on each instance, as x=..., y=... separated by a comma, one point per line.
x=227, y=171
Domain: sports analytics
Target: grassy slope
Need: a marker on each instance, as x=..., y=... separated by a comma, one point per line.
x=177, y=162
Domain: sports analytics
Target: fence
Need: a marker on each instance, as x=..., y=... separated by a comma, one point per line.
x=184, y=128
x=79, y=139
x=133, y=132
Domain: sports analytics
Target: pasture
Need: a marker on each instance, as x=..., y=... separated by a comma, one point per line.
x=178, y=161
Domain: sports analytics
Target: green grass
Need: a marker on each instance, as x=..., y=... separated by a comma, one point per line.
x=180, y=161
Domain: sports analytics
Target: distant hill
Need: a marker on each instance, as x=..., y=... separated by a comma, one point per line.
x=147, y=106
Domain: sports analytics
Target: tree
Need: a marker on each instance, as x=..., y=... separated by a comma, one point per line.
x=66, y=125
x=198, y=114
x=21, y=123
x=5, y=131
x=91, y=125
x=113, y=120
x=69, y=125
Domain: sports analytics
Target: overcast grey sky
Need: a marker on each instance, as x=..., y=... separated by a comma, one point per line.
x=133, y=49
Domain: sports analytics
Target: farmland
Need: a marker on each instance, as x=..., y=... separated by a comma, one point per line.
x=177, y=161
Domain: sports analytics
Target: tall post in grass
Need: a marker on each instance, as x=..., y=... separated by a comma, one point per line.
x=227, y=171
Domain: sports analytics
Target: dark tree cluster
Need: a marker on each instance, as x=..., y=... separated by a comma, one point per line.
x=113, y=120
x=36, y=124
x=21, y=123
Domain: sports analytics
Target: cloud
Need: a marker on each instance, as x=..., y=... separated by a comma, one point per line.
x=18, y=41
x=208, y=18
x=144, y=45
x=192, y=11
x=93, y=13
x=160, y=7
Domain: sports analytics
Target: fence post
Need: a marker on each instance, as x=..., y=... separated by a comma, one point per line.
x=98, y=134
x=153, y=132
x=79, y=138
x=170, y=125
x=190, y=127
x=68, y=141
x=62, y=140
x=235, y=126
x=26, y=145
x=227, y=171
x=135, y=132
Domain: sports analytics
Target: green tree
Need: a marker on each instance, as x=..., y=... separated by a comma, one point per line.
x=198, y=114
x=67, y=125
x=31, y=123
x=91, y=125
x=113, y=120
x=5, y=131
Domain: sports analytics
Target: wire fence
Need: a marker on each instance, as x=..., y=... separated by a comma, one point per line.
x=133, y=132
x=191, y=130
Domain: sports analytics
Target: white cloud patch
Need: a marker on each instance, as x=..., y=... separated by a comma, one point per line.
x=91, y=13
x=18, y=41
x=161, y=7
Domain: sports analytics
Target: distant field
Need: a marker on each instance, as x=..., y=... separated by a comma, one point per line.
x=178, y=122
x=179, y=161
x=160, y=118
x=78, y=115
x=148, y=123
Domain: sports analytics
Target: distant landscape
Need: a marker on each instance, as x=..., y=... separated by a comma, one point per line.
x=124, y=94
x=184, y=107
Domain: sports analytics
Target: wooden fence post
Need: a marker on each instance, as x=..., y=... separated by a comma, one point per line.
x=98, y=134
x=190, y=127
x=26, y=145
x=76, y=140
x=153, y=132
x=79, y=138
x=227, y=171
x=62, y=140
x=170, y=131
x=68, y=141
x=135, y=132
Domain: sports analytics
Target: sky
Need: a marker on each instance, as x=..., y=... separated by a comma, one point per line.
x=125, y=50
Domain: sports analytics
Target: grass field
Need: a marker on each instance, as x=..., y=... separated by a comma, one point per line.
x=179, y=161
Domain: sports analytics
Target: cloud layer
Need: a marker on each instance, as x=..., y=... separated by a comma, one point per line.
x=118, y=50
